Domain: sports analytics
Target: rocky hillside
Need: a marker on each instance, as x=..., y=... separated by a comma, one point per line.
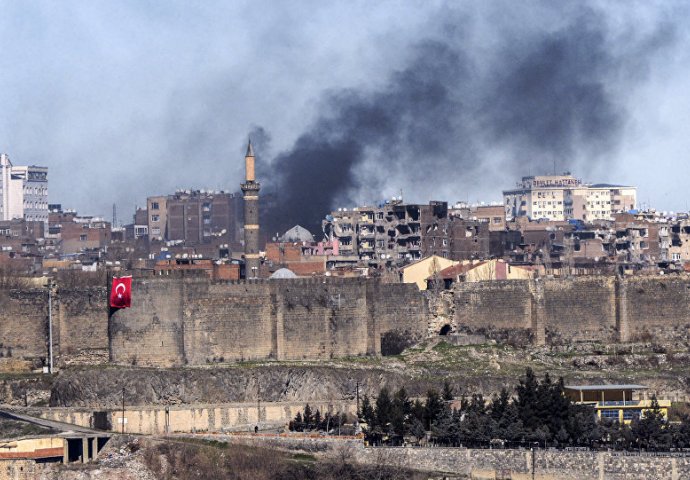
x=481, y=368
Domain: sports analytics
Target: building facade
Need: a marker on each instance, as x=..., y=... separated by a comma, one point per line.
x=395, y=233
x=192, y=217
x=564, y=197
x=23, y=191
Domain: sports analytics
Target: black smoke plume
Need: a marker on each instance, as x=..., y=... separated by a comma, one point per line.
x=546, y=97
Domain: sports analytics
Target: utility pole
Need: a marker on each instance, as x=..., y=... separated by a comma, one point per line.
x=357, y=393
x=534, y=453
x=258, y=404
x=50, y=326
x=123, y=410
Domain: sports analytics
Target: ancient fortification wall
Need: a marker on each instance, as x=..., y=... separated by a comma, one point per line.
x=23, y=324
x=601, y=309
x=194, y=321
x=79, y=325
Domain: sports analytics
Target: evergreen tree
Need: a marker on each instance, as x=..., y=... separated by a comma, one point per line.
x=317, y=419
x=447, y=392
x=417, y=429
x=402, y=408
x=499, y=404
x=298, y=423
x=528, y=401
x=384, y=409
x=366, y=411
x=418, y=411
x=442, y=426
x=432, y=407
x=651, y=430
x=308, y=417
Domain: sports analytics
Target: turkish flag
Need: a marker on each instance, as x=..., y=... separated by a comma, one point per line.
x=121, y=292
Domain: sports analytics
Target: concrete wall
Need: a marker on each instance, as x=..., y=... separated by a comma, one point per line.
x=197, y=418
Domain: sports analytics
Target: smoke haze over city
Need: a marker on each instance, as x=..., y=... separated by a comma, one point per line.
x=347, y=103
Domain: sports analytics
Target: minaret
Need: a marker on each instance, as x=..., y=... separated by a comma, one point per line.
x=250, y=190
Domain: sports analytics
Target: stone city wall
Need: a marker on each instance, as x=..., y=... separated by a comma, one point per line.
x=518, y=464
x=79, y=325
x=591, y=309
x=194, y=321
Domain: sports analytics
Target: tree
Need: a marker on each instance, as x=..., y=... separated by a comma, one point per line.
x=528, y=400
x=447, y=392
x=366, y=411
x=308, y=417
x=442, y=427
x=402, y=407
x=297, y=425
x=432, y=407
x=650, y=431
x=384, y=409
x=417, y=429
x=499, y=404
x=317, y=419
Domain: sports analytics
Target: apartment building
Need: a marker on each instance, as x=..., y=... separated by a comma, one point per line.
x=195, y=217
x=564, y=197
x=23, y=191
x=74, y=234
x=395, y=234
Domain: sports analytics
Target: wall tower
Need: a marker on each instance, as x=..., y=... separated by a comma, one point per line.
x=250, y=190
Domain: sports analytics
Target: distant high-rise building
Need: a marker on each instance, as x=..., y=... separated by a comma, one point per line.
x=23, y=191
x=564, y=197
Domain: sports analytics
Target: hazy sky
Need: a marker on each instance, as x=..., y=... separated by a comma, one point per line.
x=349, y=102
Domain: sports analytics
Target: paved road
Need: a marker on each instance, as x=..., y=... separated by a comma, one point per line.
x=63, y=427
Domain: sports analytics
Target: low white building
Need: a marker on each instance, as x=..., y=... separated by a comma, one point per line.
x=23, y=191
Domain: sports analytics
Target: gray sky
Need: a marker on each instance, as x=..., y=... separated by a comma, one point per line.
x=127, y=99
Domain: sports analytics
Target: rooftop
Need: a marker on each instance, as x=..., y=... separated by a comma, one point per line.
x=605, y=387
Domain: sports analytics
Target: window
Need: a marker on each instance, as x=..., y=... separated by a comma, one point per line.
x=610, y=414
x=156, y=231
x=82, y=238
x=155, y=218
x=155, y=206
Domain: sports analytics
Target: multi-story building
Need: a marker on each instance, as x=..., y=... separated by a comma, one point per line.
x=194, y=217
x=141, y=224
x=564, y=197
x=75, y=234
x=395, y=233
x=23, y=191
x=156, y=208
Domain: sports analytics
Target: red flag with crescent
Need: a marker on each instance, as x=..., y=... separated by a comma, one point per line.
x=121, y=292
